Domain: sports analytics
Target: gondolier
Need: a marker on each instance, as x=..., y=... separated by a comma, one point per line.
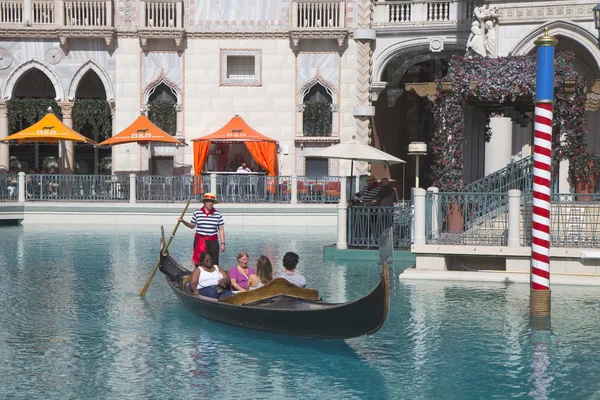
x=210, y=227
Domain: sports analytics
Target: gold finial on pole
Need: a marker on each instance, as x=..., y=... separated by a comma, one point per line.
x=546, y=40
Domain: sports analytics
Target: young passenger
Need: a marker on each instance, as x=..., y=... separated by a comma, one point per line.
x=290, y=261
x=264, y=273
x=209, y=280
x=240, y=273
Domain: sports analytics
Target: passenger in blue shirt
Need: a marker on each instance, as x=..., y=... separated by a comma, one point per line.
x=290, y=261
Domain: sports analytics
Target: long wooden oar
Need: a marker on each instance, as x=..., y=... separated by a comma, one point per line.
x=147, y=285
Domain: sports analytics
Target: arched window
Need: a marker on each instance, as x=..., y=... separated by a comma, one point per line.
x=90, y=87
x=317, y=117
x=162, y=111
x=34, y=84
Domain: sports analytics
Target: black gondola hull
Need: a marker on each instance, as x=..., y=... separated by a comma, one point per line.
x=290, y=316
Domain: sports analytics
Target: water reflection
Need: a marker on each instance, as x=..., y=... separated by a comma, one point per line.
x=73, y=326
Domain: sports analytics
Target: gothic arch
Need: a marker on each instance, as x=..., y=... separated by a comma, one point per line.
x=154, y=84
x=563, y=28
x=94, y=66
x=415, y=46
x=17, y=73
x=318, y=78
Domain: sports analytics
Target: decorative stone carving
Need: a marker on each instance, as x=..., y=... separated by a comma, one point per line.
x=300, y=107
x=63, y=34
x=482, y=39
x=127, y=13
x=336, y=34
x=593, y=97
x=3, y=110
x=436, y=43
x=545, y=12
x=53, y=56
x=102, y=74
x=423, y=89
x=335, y=108
x=16, y=74
x=6, y=58
x=67, y=109
x=178, y=108
x=176, y=34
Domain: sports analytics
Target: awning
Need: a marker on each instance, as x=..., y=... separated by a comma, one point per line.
x=49, y=129
x=142, y=130
x=263, y=149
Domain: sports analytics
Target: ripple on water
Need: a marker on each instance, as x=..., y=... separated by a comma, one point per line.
x=73, y=326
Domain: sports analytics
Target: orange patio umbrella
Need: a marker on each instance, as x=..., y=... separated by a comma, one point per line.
x=263, y=149
x=141, y=131
x=49, y=129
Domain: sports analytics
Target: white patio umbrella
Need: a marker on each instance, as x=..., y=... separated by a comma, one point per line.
x=354, y=150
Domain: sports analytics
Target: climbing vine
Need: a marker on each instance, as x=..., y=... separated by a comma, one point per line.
x=95, y=112
x=163, y=113
x=23, y=113
x=505, y=80
x=317, y=118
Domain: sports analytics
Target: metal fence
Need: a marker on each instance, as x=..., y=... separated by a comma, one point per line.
x=574, y=220
x=9, y=184
x=76, y=187
x=467, y=218
x=319, y=190
x=365, y=224
x=170, y=188
x=241, y=188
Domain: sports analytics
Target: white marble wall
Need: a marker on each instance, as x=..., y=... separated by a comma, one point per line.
x=128, y=158
x=156, y=65
x=269, y=108
x=58, y=65
x=327, y=65
x=237, y=14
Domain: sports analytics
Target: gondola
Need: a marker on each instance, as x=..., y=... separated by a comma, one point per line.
x=281, y=307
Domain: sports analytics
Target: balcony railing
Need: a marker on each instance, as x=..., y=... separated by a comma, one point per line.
x=412, y=12
x=43, y=12
x=11, y=12
x=57, y=13
x=318, y=14
x=82, y=13
x=161, y=14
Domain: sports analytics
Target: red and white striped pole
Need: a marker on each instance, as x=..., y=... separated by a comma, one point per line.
x=542, y=177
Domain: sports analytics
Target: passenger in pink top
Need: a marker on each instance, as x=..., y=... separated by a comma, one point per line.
x=240, y=273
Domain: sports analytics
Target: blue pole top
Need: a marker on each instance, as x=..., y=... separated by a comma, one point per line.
x=544, y=90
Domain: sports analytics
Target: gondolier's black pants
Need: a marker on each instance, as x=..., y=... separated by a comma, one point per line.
x=212, y=246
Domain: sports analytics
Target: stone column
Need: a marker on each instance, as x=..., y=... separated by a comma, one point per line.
x=420, y=216
x=363, y=111
x=4, y=152
x=113, y=150
x=498, y=151
x=514, y=218
x=67, y=161
x=294, y=198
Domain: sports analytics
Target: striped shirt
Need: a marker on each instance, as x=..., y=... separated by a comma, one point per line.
x=207, y=224
x=368, y=194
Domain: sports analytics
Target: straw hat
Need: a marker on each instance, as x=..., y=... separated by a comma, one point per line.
x=371, y=179
x=210, y=197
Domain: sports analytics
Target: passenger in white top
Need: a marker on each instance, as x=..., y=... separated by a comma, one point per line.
x=243, y=169
x=209, y=280
x=264, y=273
x=290, y=261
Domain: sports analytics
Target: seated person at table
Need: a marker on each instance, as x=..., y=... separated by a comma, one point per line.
x=387, y=195
x=369, y=192
x=239, y=273
x=290, y=262
x=209, y=280
x=243, y=168
x=263, y=275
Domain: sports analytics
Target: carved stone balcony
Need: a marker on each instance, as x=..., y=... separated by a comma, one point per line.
x=430, y=14
x=57, y=18
x=161, y=19
x=318, y=19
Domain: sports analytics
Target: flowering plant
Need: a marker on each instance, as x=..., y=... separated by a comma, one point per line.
x=505, y=80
